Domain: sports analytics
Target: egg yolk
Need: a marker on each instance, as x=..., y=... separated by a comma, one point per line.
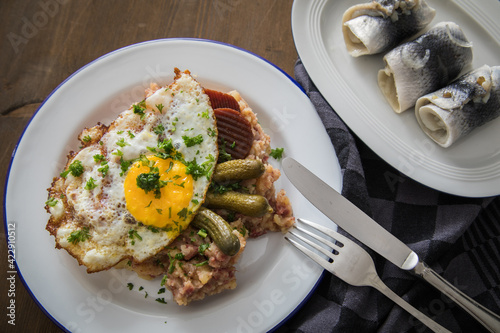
x=158, y=192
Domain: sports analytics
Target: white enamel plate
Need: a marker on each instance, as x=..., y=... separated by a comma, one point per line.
x=471, y=167
x=273, y=278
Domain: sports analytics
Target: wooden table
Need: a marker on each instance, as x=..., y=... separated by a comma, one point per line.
x=45, y=41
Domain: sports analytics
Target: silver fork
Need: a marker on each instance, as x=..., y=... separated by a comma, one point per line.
x=352, y=264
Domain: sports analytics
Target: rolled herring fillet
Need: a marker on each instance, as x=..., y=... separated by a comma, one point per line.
x=455, y=110
x=379, y=25
x=423, y=65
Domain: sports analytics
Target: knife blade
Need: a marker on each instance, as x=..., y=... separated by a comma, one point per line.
x=359, y=225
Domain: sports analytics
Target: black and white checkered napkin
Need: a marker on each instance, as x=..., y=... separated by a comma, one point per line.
x=458, y=237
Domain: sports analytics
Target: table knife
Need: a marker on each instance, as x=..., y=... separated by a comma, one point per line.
x=355, y=222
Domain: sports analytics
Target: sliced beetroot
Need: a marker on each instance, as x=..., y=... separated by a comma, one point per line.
x=222, y=100
x=235, y=133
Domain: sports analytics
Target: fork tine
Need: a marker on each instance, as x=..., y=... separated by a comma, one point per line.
x=335, y=235
x=312, y=244
x=312, y=255
x=319, y=238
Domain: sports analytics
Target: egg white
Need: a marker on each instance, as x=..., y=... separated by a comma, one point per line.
x=183, y=109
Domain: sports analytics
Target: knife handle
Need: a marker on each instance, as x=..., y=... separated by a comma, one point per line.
x=486, y=317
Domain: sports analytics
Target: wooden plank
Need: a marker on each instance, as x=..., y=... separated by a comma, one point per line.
x=45, y=41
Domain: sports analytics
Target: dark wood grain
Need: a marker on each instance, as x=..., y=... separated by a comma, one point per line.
x=45, y=41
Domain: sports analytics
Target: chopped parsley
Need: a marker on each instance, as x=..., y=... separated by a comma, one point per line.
x=170, y=166
x=90, y=184
x=51, y=202
x=191, y=141
x=243, y=231
x=75, y=168
x=87, y=139
x=277, y=153
x=118, y=152
x=132, y=234
x=124, y=165
x=180, y=185
x=203, y=263
x=211, y=132
x=159, y=129
x=104, y=169
x=205, y=114
x=174, y=123
x=122, y=143
x=171, y=267
x=139, y=109
x=98, y=158
x=130, y=286
x=231, y=217
x=183, y=213
x=161, y=291
x=223, y=155
x=199, y=170
x=151, y=228
x=223, y=188
x=150, y=182
x=203, y=247
x=167, y=150
x=160, y=107
x=163, y=280
x=131, y=135
x=161, y=300
x=79, y=236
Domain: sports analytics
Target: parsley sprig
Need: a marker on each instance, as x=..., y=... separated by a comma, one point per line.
x=79, y=236
x=75, y=168
x=133, y=234
x=52, y=202
x=191, y=141
x=139, y=109
x=277, y=153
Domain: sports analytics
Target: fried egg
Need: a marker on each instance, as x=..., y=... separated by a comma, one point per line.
x=135, y=185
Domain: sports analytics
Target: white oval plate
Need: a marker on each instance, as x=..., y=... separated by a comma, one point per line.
x=471, y=167
x=273, y=278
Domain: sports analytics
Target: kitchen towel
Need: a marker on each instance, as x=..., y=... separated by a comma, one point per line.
x=458, y=237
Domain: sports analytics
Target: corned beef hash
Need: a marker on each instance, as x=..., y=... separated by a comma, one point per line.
x=171, y=189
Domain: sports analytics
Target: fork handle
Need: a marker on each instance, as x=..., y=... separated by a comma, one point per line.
x=486, y=317
x=380, y=286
